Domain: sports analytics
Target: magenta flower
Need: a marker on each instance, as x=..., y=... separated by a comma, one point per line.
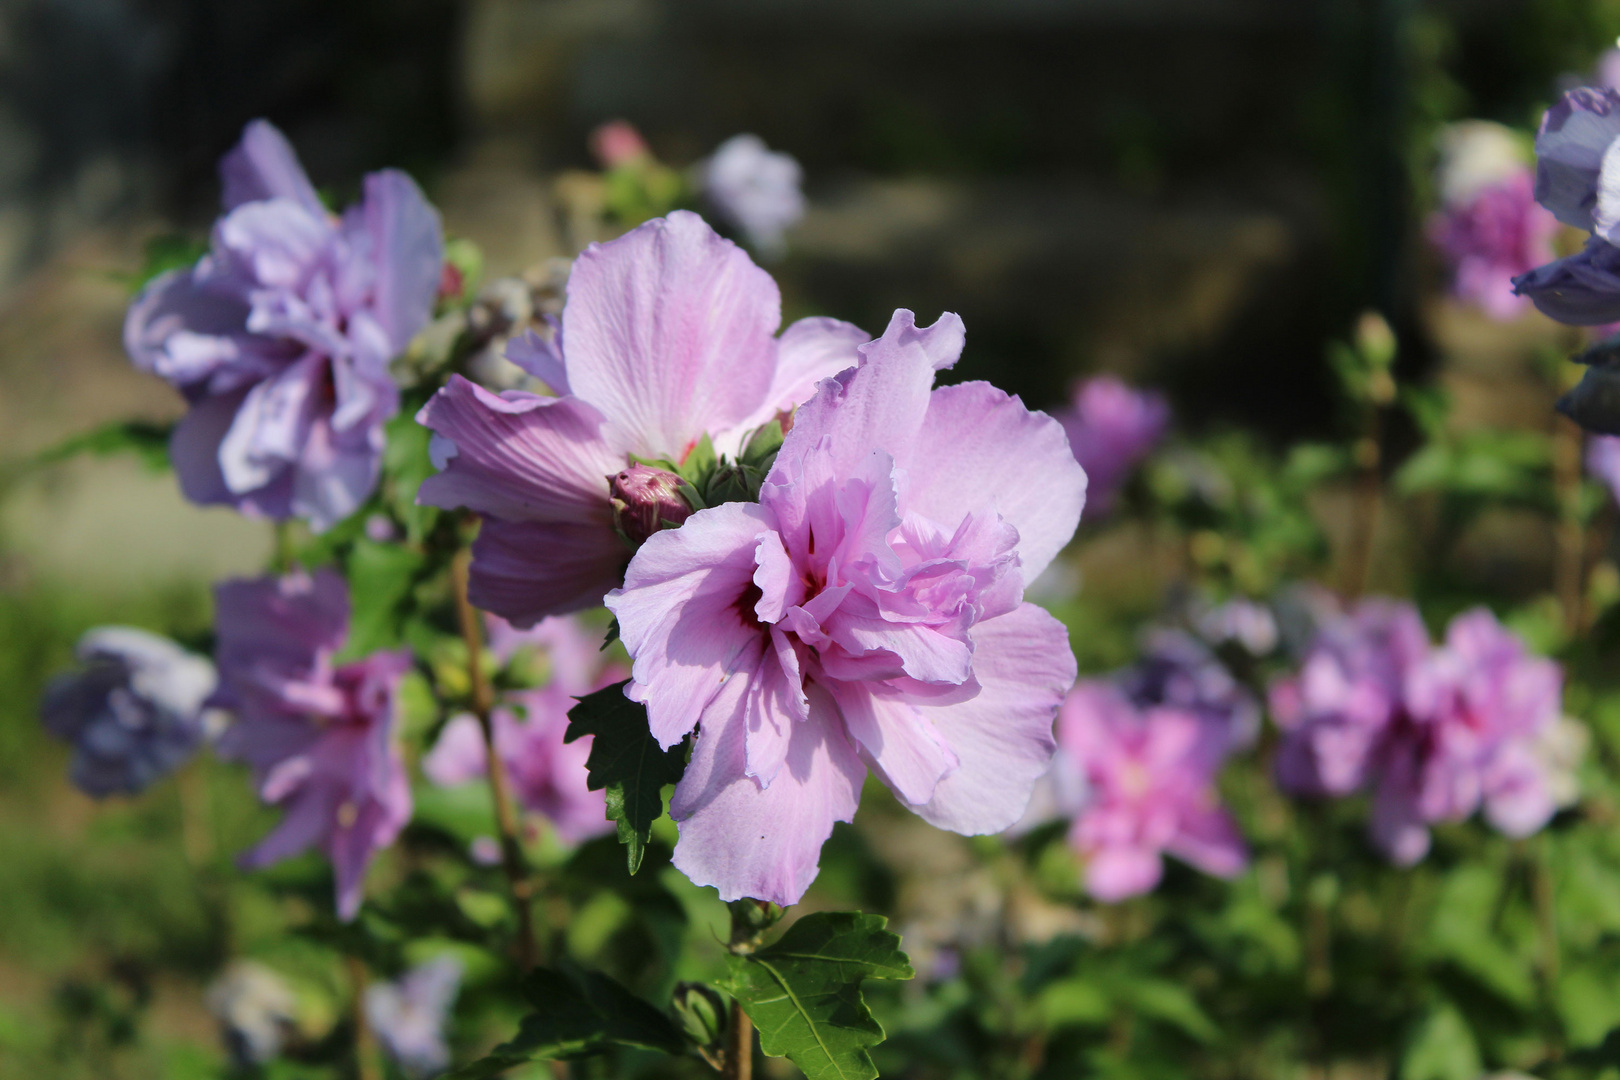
x=320, y=738
x=617, y=143
x=409, y=1015
x=280, y=338
x=667, y=337
x=866, y=612
x=1150, y=790
x=1111, y=428
x=754, y=188
x=1434, y=733
x=547, y=774
x=1494, y=236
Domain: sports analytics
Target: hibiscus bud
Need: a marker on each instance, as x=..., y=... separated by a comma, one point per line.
x=702, y=1012
x=645, y=499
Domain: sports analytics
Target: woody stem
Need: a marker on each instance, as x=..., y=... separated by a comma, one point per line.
x=483, y=702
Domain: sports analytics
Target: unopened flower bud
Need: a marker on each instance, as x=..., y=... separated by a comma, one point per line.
x=702, y=1012
x=645, y=499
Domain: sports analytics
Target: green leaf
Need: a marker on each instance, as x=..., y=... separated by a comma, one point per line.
x=627, y=762
x=575, y=1018
x=763, y=445
x=803, y=992
x=147, y=441
x=380, y=580
x=699, y=463
x=1172, y=1004
x=171, y=252
x=1442, y=1048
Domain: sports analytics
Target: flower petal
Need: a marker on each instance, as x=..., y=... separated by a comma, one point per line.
x=763, y=843
x=686, y=614
x=407, y=250
x=905, y=749
x=1208, y=839
x=981, y=449
x=526, y=570
x=669, y=331
x=520, y=457
x=1002, y=737
x=807, y=352
x=264, y=166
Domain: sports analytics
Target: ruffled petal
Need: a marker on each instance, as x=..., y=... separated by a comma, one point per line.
x=981, y=449
x=182, y=331
x=686, y=614
x=264, y=166
x=526, y=570
x=520, y=457
x=1002, y=737
x=669, y=331
x=763, y=843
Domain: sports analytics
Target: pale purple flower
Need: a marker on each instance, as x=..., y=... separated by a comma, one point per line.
x=1498, y=233
x=1603, y=461
x=280, y=337
x=668, y=336
x=1434, y=733
x=1111, y=428
x=754, y=188
x=409, y=1016
x=1606, y=71
x=256, y=1010
x=548, y=775
x=1177, y=670
x=1335, y=712
x=866, y=613
x=320, y=738
x=1150, y=775
x=133, y=712
x=1577, y=177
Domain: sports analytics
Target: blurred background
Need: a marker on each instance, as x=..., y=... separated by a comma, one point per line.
x=1194, y=194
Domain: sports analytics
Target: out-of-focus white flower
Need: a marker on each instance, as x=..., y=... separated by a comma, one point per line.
x=255, y=1008
x=1475, y=154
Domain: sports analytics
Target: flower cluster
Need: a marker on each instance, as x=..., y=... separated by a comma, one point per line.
x=281, y=336
x=1434, y=733
x=320, y=736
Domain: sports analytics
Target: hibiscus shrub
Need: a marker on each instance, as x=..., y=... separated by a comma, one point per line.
x=627, y=661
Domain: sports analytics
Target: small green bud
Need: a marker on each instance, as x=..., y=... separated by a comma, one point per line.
x=702, y=1012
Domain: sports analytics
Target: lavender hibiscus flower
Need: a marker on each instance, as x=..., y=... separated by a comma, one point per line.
x=280, y=337
x=547, y=774
x=1149, y=788
x=866, y=612
x=755, y=189
x=1111, y=428
x=668, y=337
x=409, y=1015
x=133, y=713
x=1434, y=733
x=320, y=738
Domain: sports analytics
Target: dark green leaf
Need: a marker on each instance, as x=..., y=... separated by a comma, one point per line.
x=804, y=992
x=574, y=1018
x=147, y=441
x=165, y=253
x=627, y=762
x=763, y=445
x=700, y=462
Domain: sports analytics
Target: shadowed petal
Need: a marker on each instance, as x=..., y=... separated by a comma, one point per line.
x=903, y=746
x=408, y=249
x=526, y=570
x=519, y=458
